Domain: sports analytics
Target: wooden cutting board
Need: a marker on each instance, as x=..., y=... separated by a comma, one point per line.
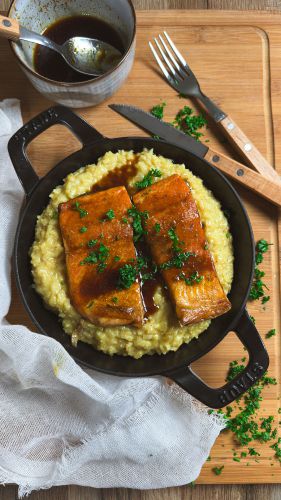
x=237, y=58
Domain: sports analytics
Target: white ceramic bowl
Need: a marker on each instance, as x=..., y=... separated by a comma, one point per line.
x=37, y=15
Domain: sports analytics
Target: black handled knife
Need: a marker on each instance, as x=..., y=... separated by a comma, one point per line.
x=244, y=175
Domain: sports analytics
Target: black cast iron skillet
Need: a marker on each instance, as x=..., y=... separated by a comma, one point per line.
x=174, y=364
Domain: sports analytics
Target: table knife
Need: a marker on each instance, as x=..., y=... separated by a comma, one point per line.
x=268, y=189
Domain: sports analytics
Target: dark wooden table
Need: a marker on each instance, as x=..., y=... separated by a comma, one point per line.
x=199, y=492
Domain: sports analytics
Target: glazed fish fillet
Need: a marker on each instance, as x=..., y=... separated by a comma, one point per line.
x=97, y=244
x=174, y=231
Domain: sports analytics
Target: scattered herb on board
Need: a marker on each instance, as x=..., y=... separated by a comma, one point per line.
x=139, y=219
x=82, y=212
x=189, y=123
x=185, y=120
x=271, y=333
x=192, y=279
x=83, y=229
x=218, y=470
x=148, y=178
x=257, y=288
x=158, y=110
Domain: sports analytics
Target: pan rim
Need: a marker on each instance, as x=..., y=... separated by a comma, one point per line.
x=216, y=340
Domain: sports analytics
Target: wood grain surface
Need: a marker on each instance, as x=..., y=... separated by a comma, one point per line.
x=265, y=226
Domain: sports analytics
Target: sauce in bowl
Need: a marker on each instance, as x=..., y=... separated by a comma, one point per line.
x=50, y=64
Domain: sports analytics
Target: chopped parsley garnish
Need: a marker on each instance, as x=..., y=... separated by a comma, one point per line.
x=158, y=110
x=177, y=261
x=116, y=258
x=218, y=470
x=92, y=243
x=83, y=229
x=253, y=452
x=110, y=214
x=115, y=300
x=97, y=257
x=124, y=220
x=265, y=299
x=148, y=178
x=244, y=425
x=189, y=123
x=176, y=244
x=82, y=212
x=157, y=227
x=277, y=448
x=142, y=266
x=193, y=278
x=179, y=257
x=257, y=288
x=127, y=276
x=271, y=333
x=139, y=220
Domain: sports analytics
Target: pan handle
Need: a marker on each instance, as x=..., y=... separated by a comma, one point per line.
x=52, y=116
x=222, y=396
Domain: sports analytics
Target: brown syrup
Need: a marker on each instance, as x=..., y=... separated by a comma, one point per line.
x=117, y=177
x=50, y=64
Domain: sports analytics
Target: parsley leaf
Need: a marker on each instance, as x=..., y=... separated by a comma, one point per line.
x=139, y=219
x=82, y=212
x=218, y=470
x=271, y=333
x=158, y=110
x=193, y=278
x=148, y=178
x=127, y=276
x=189, y=123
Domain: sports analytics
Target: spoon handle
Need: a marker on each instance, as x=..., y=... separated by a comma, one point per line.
x=9, y=28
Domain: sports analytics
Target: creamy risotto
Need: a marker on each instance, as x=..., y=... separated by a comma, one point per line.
x=161, y=332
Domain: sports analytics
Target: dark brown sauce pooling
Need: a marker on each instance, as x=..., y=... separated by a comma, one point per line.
x=117, y=177
x=50, y=64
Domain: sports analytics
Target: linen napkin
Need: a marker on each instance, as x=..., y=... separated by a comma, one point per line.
x=61, y=424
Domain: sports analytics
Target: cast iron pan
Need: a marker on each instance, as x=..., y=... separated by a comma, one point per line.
x=174, y=364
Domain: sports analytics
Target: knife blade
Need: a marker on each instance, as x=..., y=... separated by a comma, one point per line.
x=268, y=189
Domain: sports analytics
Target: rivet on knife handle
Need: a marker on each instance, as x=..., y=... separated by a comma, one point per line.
x=269, y=189
x=248, y=150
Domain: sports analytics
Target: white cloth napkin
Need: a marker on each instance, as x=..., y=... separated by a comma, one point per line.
x=60, y=424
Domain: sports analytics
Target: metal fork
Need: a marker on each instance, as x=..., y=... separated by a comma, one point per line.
x=180, y=76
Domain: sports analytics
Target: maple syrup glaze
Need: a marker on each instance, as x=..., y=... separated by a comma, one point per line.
x=50, y=64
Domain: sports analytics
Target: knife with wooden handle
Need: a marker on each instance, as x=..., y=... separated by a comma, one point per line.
x=248, y=150
x=268, y=189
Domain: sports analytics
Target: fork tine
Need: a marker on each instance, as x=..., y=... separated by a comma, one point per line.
x=165, y=57
x=170, y=54
x=179, y=69
x=176, y=51
x=158, y=60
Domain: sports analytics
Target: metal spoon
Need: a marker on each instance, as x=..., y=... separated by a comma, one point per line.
x=86, y=55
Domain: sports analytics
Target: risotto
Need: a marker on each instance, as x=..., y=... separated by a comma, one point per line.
x=161, y=332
